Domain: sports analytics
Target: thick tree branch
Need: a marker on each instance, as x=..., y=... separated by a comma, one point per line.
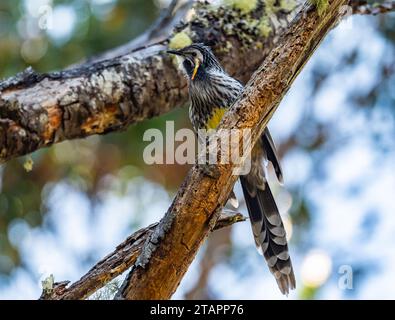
x=174, y=243
x=117, y=262
x=37, y=110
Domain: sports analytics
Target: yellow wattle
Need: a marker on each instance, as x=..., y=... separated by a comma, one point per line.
x=215, y=118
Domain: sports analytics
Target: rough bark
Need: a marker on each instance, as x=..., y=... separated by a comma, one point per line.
x=115, y=263
x=39, y=110
x=173, y=245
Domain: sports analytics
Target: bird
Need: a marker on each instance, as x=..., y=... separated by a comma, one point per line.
x=212, y=91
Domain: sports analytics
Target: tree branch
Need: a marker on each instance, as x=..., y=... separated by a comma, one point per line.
x=158, y=32
x=174, y=243
x=38, y=110
x=117, y=262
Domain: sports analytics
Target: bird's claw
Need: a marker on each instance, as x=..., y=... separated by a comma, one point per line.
x=210, y=170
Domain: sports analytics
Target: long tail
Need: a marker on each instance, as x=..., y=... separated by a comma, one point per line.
x=269, y=232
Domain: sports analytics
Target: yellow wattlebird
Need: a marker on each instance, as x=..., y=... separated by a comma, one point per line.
x=211, y=92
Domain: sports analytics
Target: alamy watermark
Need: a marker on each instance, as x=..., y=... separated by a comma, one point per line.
x=45, y=17
x=345, y=281
x=211, y=146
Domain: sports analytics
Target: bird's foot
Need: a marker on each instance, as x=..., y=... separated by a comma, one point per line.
x=210, y=170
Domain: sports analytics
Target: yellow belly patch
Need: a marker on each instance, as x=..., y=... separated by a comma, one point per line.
x=215, y=118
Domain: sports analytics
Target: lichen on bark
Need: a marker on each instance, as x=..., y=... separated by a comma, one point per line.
x=321, y=5
x=249, y=22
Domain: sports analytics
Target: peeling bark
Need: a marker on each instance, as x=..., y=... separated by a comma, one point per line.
x=37, y=110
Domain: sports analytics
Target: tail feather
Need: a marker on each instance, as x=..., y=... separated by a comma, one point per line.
x=269, y=233
x=271, y=154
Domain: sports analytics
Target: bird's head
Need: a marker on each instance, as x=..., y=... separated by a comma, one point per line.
x=197, y=60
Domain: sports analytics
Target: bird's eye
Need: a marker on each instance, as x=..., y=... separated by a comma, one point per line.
x=188, y=64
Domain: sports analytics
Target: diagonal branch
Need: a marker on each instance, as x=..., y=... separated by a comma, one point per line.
x=174, y=243
x=117, y=262
x=158, y=32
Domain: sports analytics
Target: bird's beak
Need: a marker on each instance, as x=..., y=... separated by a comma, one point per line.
x=195, y=70
x=176, y=52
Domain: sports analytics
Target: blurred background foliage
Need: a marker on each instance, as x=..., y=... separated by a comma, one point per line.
x=335, y=131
